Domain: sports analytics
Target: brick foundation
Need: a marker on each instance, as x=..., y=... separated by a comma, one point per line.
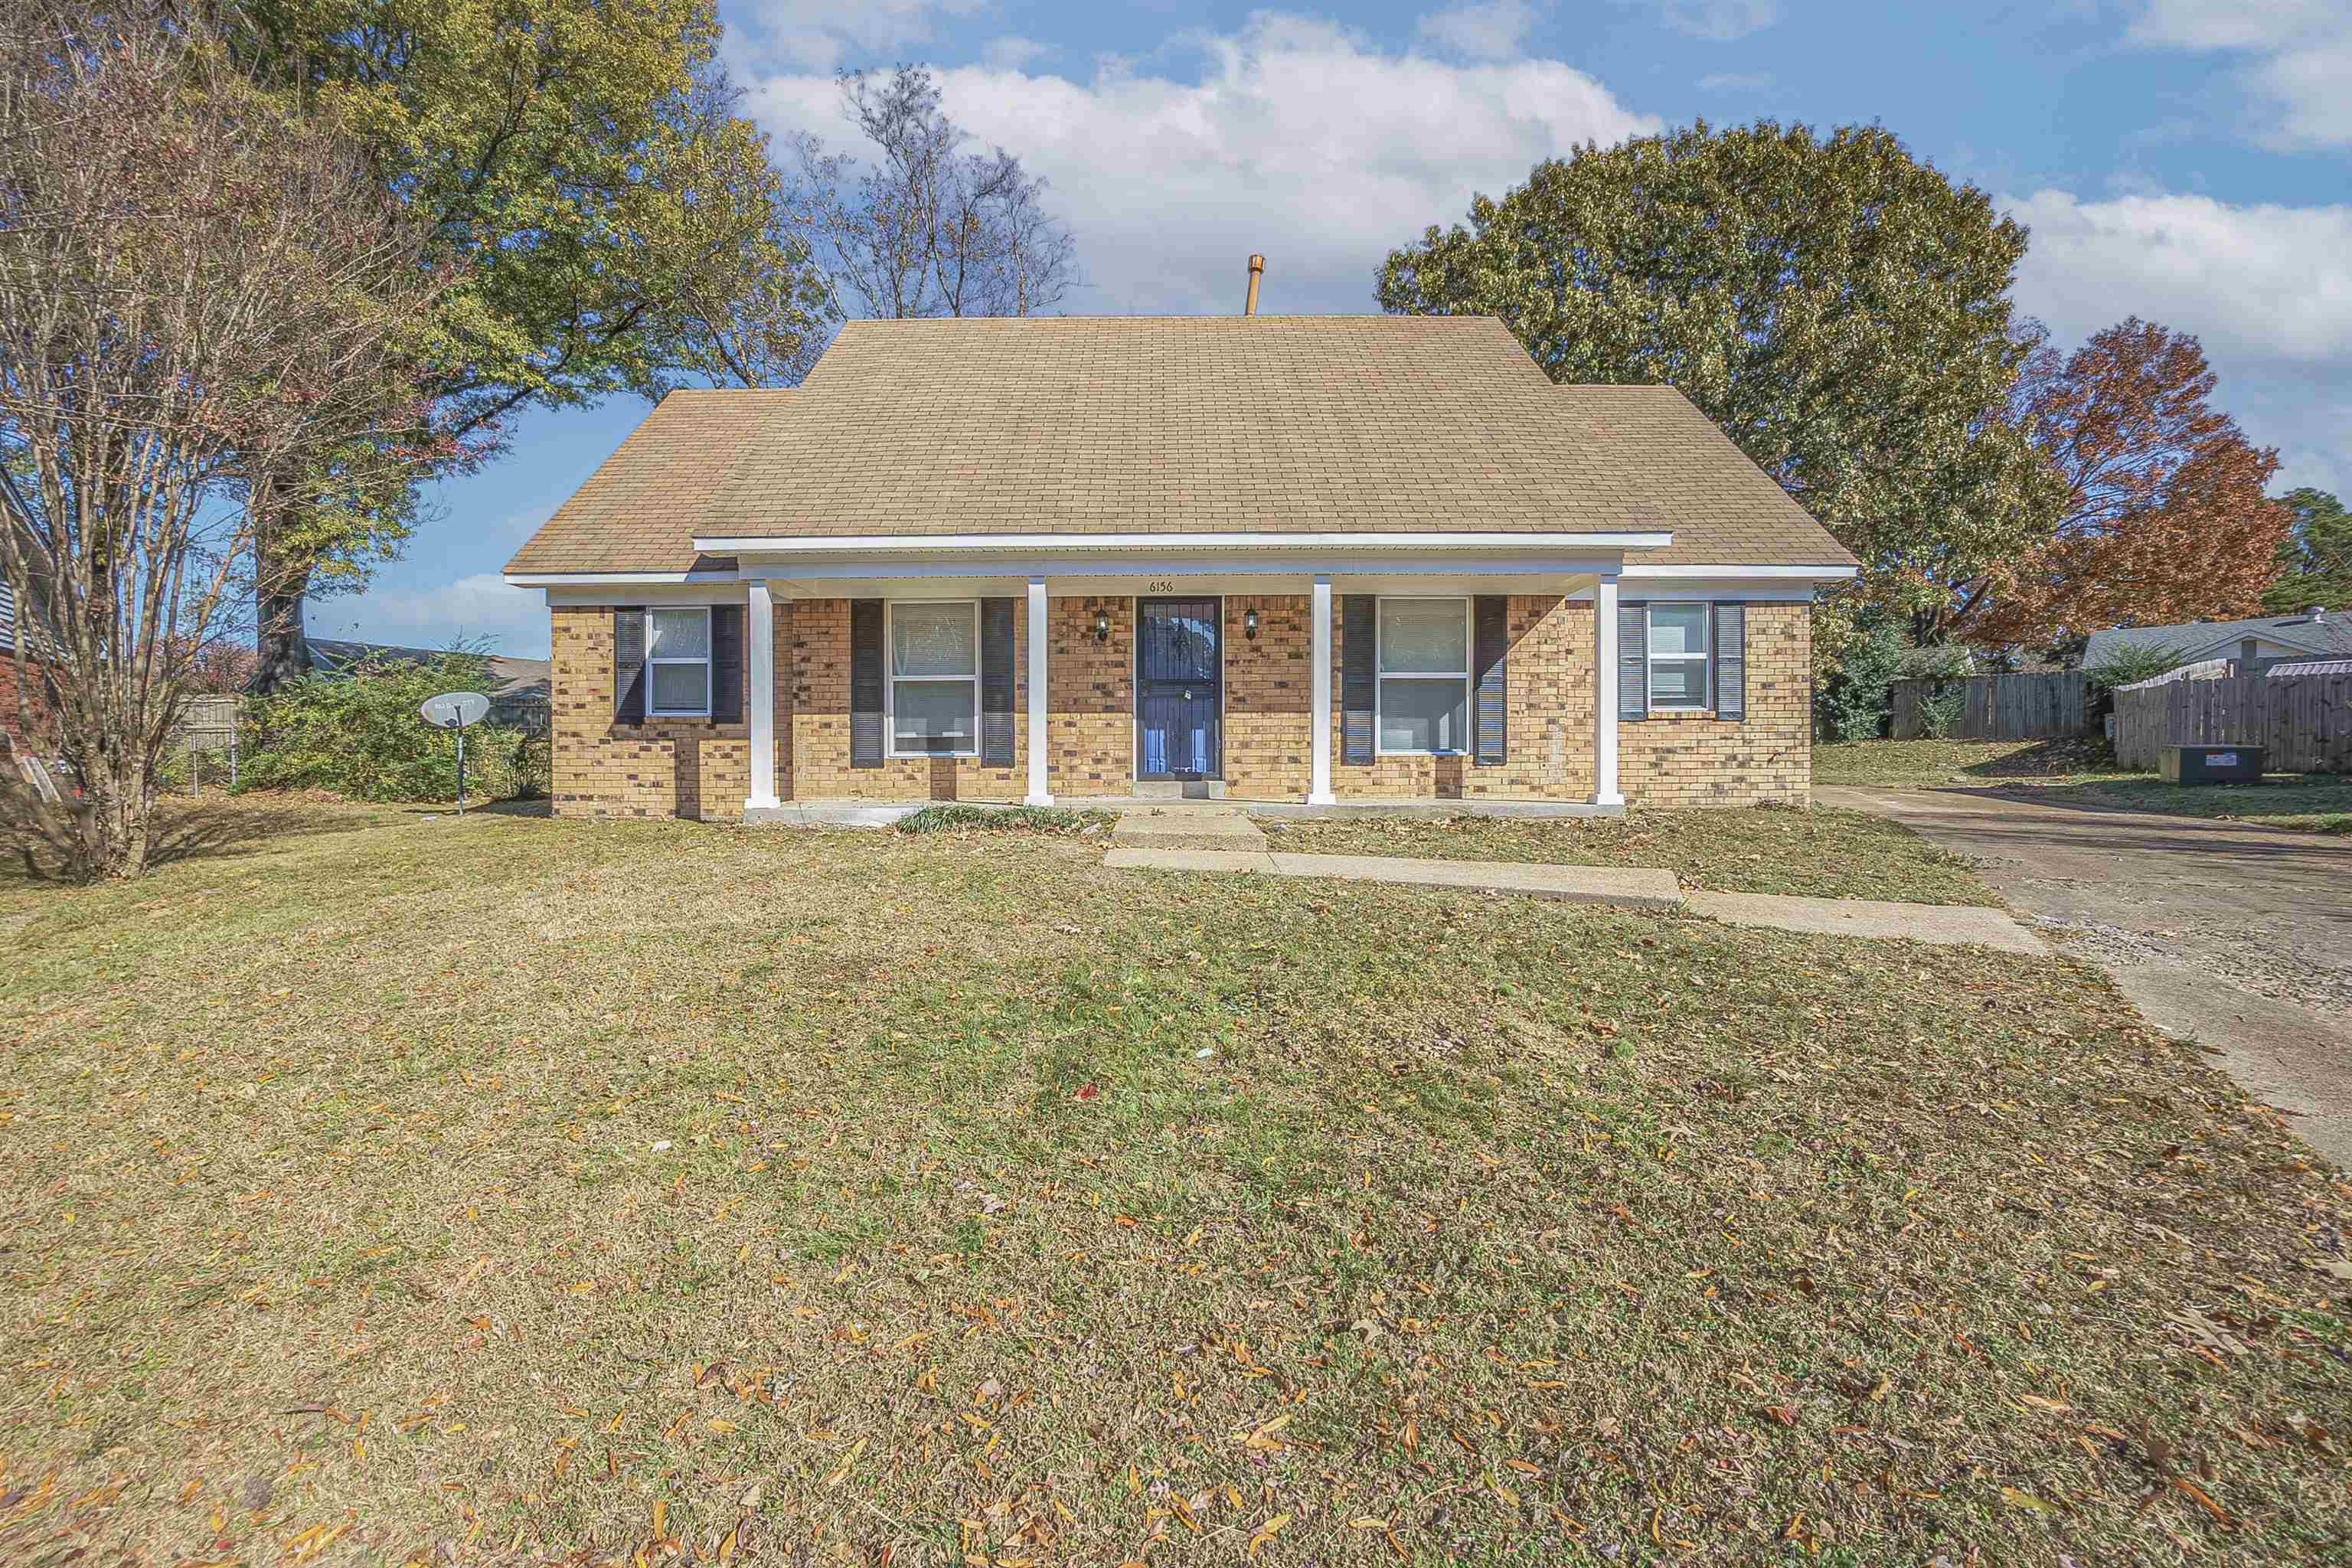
x=697, y=769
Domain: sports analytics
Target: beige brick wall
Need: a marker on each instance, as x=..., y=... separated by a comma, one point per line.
x=664, y=767
x=695, y=769
x=1766, y=759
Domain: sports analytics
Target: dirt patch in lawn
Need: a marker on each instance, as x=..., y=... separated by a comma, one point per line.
x=1819, y=851
x=530, y=1188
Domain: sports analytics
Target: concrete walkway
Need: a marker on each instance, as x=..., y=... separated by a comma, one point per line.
x=1950, y=925
x=2236, y=936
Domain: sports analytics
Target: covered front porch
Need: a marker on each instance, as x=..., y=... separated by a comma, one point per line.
x=1365, y=672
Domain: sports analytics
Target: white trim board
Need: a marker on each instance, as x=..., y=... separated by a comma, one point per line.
x=891, y=544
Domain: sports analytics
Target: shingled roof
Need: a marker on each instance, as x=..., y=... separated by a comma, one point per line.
x=1175, y=424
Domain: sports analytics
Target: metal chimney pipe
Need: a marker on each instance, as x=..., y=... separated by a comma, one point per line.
x=1249, y=306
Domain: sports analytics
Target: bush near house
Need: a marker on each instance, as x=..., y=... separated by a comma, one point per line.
x=358, y=734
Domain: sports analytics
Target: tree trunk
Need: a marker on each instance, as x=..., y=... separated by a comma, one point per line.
x=281, y=647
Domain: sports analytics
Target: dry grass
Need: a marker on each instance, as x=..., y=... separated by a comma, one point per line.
x=1821, y=852
x=532, y=1189
x=2083, y=771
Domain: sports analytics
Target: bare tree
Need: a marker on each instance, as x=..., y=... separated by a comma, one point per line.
x=930, y=229
x=197, y=292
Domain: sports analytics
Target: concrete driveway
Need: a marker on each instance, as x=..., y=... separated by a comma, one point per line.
x=2237, y=937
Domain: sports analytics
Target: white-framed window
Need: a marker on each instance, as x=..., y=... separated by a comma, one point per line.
x=1423, y=664
x=934, y=702
x=677, y=662
x=1677, y=638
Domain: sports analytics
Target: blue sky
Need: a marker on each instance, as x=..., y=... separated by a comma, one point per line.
x=2186, y=161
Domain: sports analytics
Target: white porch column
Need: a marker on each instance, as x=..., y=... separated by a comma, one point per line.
x=1039, y=794
x=1604, y=691
x=1318, y=681
x=760, y=695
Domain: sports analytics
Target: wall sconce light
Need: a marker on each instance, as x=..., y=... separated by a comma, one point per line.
x=1249, y=624
x=1102, y=625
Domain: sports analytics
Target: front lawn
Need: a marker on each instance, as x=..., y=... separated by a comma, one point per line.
x=2084, y=772
x=511, y=1188
x=1821, y=851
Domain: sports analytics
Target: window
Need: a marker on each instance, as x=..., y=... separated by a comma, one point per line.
x=1424, y=675
x=1678, y=656
x=677, y=656
x=935, y=678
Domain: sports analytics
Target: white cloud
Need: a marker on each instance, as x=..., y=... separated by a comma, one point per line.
x=1486, y=30
x=1013, y=52
x=821, y=32
x=1735, y=81
x=2297, y=58
x=1718, y=21
x=2267, y=288
x=473, y=607
x=1299, y=138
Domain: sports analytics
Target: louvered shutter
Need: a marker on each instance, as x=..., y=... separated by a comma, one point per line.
x=1358, y=677
x=1731, y=660
x=1633, y=658
x=629, y=664
x=996, y=683
x=727, y=664
x=865, y=683
x=1491, y=640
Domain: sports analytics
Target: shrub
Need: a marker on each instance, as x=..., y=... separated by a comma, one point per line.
x=1857, y=699
x=2125, y=666
x=1941, y=711
x=358, y=734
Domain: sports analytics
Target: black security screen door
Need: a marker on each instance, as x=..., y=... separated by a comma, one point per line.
x=1179, y=690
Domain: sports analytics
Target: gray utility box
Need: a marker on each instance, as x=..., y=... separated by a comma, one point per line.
x=2212, y=764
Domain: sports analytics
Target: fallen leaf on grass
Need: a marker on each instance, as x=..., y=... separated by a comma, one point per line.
x=1267, y=1531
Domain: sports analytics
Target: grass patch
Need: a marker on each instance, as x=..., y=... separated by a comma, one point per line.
x=546, y=1187
x=1819, y=851
x=2083, y=771
x=947, y=818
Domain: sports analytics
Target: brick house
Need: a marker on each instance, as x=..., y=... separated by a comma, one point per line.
x=1319, y=559
x=20, y=671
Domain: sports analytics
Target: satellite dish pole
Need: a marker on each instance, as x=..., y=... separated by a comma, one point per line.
x=453, y=710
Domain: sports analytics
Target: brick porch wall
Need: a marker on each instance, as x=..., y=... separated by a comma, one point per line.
x=691, y=768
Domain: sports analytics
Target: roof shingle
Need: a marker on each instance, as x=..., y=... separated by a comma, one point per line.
x=1178, y=424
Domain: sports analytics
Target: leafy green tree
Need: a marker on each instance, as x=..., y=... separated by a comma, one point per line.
x=615, y=226
x=2316, y=561
x=1839, y=308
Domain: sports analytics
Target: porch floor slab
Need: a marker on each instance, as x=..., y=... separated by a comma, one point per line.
x=1157, y=827
x=1945, y=925
x=1583, y=884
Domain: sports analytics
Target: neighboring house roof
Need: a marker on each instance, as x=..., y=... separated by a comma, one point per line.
x=2320, y=635
x=2312, y=666
x=512, y=681
x=1174, y=425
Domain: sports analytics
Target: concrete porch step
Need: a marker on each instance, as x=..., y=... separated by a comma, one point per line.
x=1207, y=827
x=1582, y=884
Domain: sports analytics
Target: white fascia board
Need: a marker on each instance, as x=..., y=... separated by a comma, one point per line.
x=1185, y=566
x=1808, y=573
x=594, y=579
x=893, y=544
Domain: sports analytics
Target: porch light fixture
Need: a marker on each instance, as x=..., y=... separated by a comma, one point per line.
x=1249, y=624
x=1102, y=625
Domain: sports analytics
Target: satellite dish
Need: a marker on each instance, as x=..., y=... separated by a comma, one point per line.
x=455, y=710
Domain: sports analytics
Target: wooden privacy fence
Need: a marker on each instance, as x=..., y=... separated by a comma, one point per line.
x=2304, y=723
x=2000, y=706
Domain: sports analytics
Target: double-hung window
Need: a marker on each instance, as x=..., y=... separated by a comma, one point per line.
x=935, y=678
x=1425, y=676
x=1677, y=636
x=678, y=658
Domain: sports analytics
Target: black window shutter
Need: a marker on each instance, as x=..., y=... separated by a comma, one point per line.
x=629, y=664
x=1490, y=626
x=1359, y=676
x=865, y=683
x=1731, y=660
x=1633, y=658
x=727, y=664
x=996, y=683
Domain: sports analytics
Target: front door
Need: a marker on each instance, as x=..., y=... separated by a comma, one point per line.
x=1178, y=689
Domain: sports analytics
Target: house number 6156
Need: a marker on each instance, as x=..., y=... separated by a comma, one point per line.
x=1163, y=585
